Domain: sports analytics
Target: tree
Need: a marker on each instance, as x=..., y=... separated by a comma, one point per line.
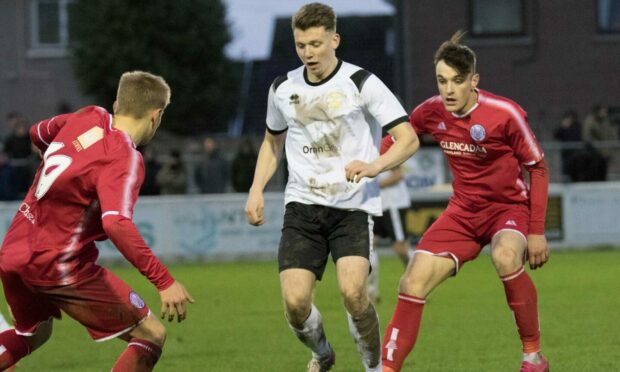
x=181, y=40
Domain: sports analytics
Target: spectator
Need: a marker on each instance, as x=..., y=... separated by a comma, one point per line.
x=17, y=148
x=598, y=127
x=5, y=184
x=211, y=172
x=569, y=131
x=151, y=169
x=243, y=166
x=172, y=178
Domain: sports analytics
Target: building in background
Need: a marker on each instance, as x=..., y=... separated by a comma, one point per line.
x=549, y=55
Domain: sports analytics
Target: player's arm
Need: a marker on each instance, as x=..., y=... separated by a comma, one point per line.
x=395, y=175
x=127, y=239
x=267, y=162
x=117, y=189
x=405, y=144
x=529, y=153
x=44, y=132
x=538, y=252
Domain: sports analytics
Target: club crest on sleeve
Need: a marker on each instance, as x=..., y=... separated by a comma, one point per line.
x=136, y=300
x=477, y=132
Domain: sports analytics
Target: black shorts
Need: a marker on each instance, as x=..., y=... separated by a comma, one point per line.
x=392, y=224
x=311, y=232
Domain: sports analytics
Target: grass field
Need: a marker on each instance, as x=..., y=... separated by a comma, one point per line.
x=237, y=323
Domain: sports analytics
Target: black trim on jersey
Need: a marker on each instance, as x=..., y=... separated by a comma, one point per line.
x=394, y=123
x=276, y=132
x=359, y=78
x=279, y=80
x=324, y=80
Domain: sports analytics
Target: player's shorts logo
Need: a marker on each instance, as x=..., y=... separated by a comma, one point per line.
x=136, y=300
x=477, y=132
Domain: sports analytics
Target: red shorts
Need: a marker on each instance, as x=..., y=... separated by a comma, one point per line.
x=102, y=303
x=461, y=233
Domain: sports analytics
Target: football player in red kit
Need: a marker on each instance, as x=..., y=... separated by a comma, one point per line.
x=85, y=190
x=487, y=141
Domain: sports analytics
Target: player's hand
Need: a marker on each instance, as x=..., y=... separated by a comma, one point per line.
x=254, y=208
x=357, y=169
x=537, y=251
x=174, y=300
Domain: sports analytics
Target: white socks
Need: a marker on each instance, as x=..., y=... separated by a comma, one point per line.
x=365, y=332
x=312, y=334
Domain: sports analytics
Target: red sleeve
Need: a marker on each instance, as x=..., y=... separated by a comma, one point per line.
x=539, y=186
x=386, y=143
x=522, y=139
x=127, y=239
x=44, y=132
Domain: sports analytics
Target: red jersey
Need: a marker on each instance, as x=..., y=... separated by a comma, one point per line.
x=90, y=170
x=486, y=147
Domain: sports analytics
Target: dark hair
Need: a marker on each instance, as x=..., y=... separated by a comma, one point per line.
x=314, y=15
x=456, y=55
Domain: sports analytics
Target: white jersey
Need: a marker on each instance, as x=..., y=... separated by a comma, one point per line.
x=331, y=123
x=395, y=196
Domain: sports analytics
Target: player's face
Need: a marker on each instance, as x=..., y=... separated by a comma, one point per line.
x=316, y=47
x=457, y=90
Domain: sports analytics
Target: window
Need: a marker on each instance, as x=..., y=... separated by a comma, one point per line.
x=492, y=18
x=608, y=16
x=49, y=27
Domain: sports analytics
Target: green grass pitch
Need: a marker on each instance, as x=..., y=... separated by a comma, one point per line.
x=237, y=323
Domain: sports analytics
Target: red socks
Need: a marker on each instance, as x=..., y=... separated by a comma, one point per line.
x=401, y=333
x=13, y=347
x=140, y=356
x=522, y=300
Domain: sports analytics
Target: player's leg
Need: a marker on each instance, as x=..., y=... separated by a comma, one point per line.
x=447, y=244
x=401, y=244
x=350, y=242
x=508, y=249
x=423, y=274
x=109, y=308
x=352, y=273
x=144, y=346
x=302, y=256
x=32, y=316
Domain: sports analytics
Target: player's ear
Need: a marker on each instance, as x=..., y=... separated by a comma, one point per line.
x=475, y=80
x=335, y=40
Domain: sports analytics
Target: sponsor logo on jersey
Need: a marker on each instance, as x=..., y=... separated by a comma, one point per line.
x=318, y=149
x=335, y=100
x=136, y=300
x=294, y=99
x=24, y=209
x=441, y=126
x=477, y=132
x=459, y=148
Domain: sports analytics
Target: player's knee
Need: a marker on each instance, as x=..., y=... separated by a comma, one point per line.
x=355, y=300
x=297, y=309
x=506, y=259
x=151, y=330
x=416, y=284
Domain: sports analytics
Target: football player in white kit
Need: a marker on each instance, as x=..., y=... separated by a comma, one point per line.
x=330, y=115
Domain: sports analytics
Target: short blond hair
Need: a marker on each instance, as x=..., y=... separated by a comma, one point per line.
x=314, y=15
x=139, y=92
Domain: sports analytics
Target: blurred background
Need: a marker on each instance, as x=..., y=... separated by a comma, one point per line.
x=559, y=59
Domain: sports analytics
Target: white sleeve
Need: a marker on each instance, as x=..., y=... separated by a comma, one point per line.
x=276, y=122
x=381, y=103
